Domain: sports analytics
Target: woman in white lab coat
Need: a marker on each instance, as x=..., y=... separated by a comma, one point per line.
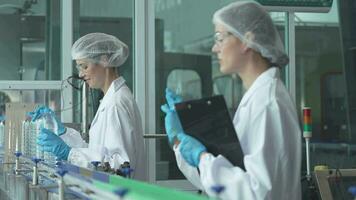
x=247, y=43
x=116, y=134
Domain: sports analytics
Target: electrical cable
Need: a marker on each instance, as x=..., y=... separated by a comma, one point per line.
x=75, y=76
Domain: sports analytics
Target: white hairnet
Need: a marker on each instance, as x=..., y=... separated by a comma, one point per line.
x=94, y=45
x=248, y=21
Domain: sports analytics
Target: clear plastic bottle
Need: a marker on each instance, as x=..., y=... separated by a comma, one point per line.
x=2, y=135
x=24, y=140
x=32, y=139
x=27, y=138
x=47, y=121
x=37, y=129
x=28, y=145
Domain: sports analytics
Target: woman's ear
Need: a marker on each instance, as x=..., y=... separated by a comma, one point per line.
x=249, y=37
x=244, y=48
x=104, y=60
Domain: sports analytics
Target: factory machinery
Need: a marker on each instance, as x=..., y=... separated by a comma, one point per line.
x=30, y=179
x=27, y=173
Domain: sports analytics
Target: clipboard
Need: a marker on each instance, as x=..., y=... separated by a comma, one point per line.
x=208, y=120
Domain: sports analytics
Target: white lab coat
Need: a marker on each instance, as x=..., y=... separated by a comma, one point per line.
x=115, y=135
x=267, y=126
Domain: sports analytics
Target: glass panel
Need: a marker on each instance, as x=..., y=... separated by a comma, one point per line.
x=185, y=83
x=181, y=46
x=184, y=62
x=30, y=47
x=348, y=32
x=114, y=17
x=51, y=98
x=321, y=85
x=319, y=71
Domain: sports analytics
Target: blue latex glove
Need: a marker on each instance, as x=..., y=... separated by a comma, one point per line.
x=172, y=98
x=39, y=111
x=50, y=142
x=190, y=148
x=172, y=123
x=2, y=118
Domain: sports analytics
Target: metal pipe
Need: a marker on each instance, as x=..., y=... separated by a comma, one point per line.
x=31, y=170
x=146, y=136
x=61, y=188
x=307, y=134
x=9, y=137
x=17, y=165
x=35, y=175
x=307, y=141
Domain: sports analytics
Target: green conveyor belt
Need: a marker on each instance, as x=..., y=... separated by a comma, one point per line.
x=145, y=191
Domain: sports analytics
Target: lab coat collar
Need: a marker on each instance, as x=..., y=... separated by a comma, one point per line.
x=261, y=80
x=114, y=87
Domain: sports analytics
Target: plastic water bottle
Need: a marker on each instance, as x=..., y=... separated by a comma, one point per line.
x=47, y=121
x=27, y=143
x=37, y=129
x=2, y=134
x=28, y=139
x=24, y=140
x=33, y=135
